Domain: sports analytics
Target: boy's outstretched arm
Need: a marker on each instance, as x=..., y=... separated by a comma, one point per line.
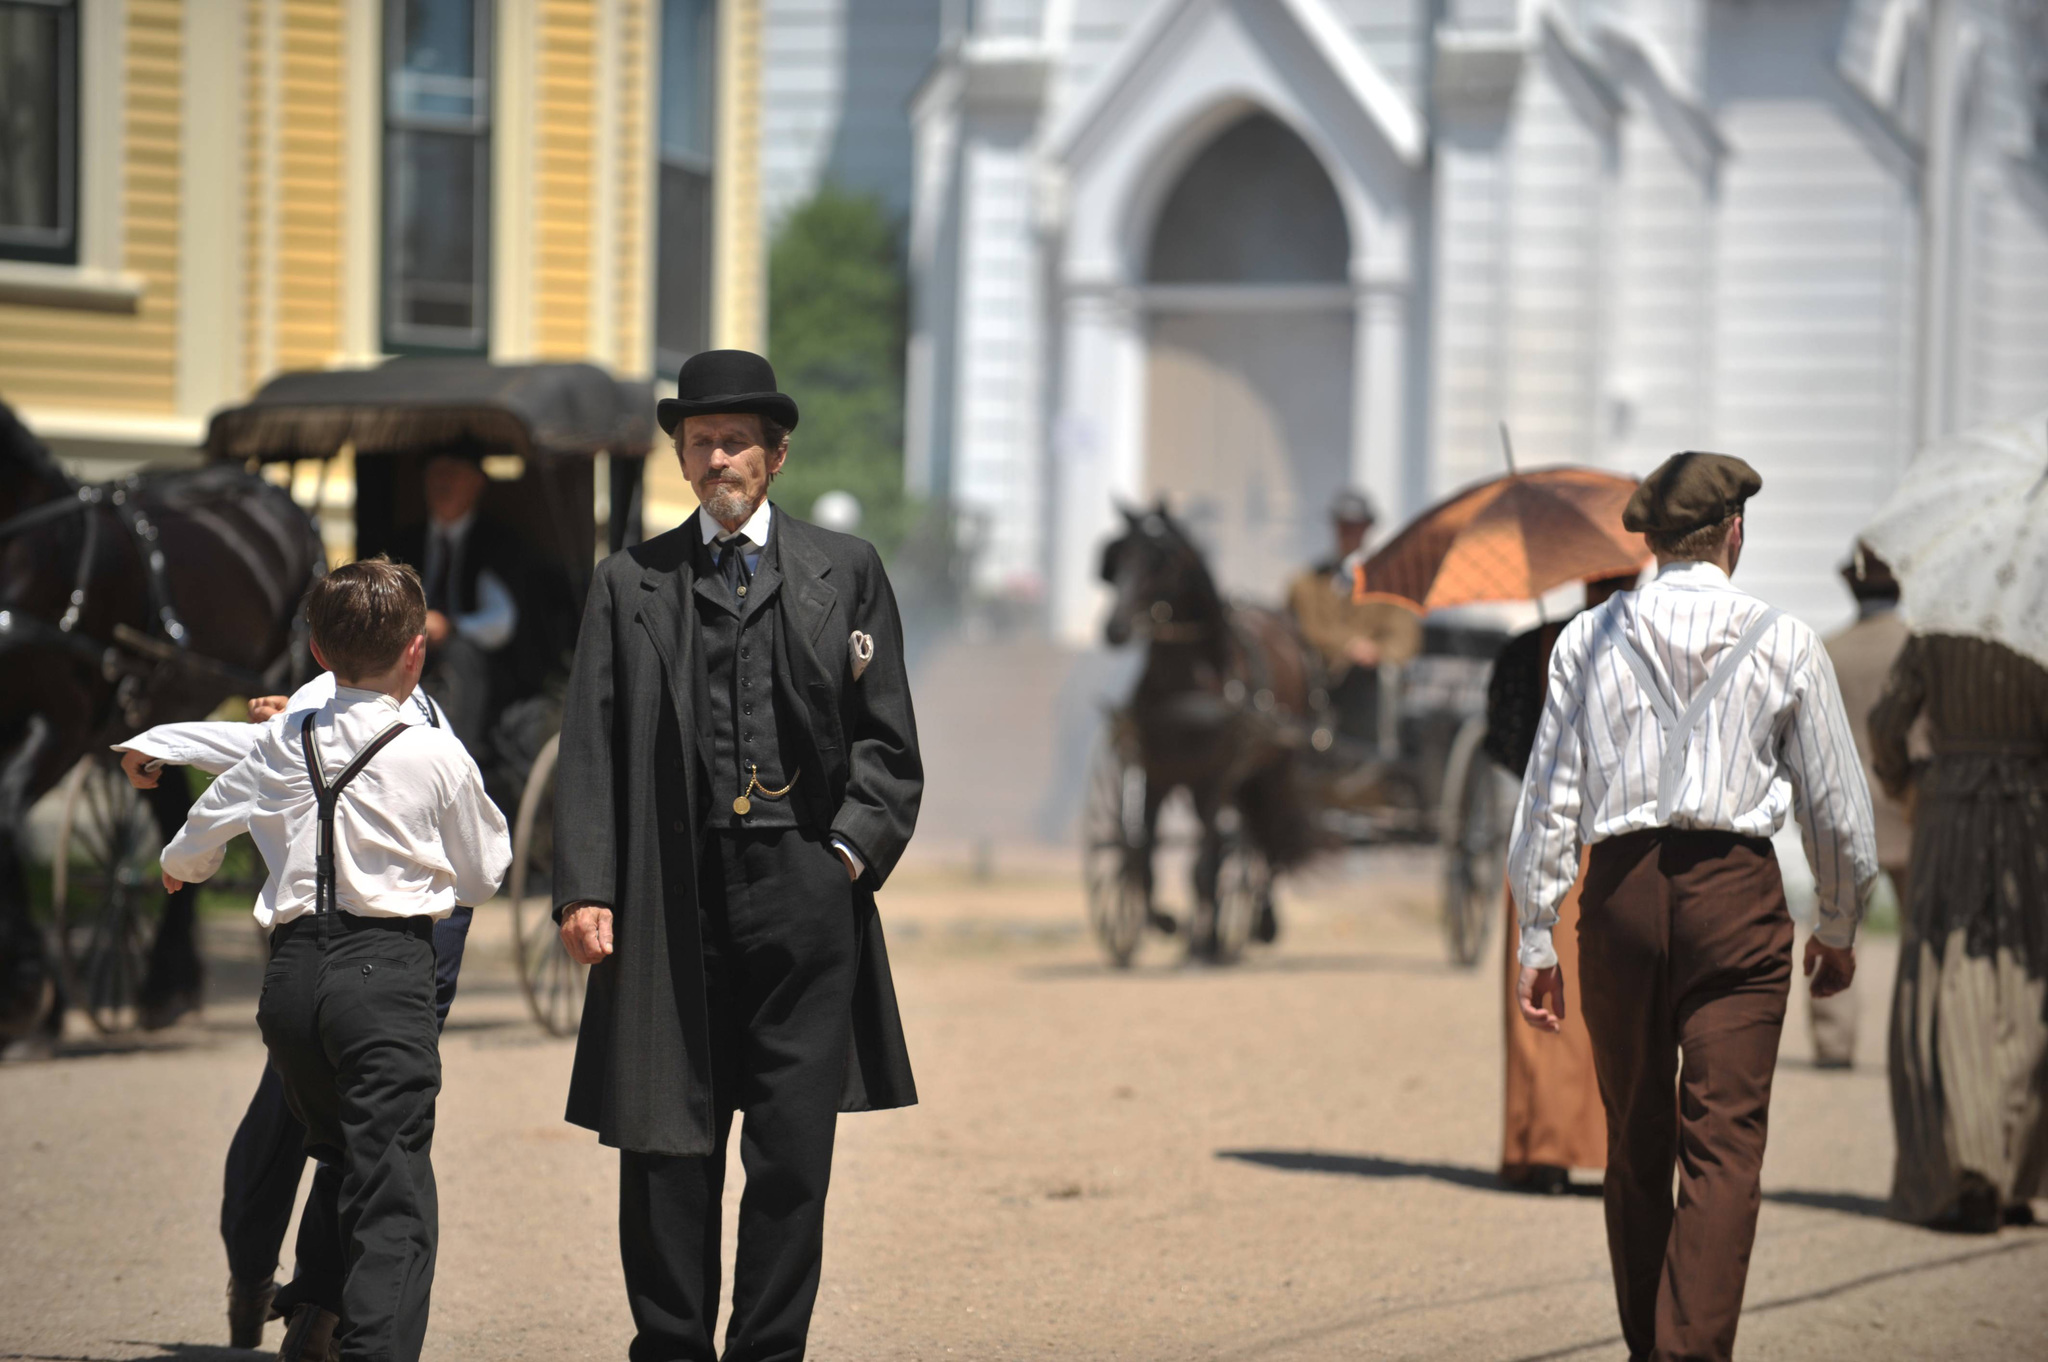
x=221, y=815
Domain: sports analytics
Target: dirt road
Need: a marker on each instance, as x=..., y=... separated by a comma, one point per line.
x=1291, y=1160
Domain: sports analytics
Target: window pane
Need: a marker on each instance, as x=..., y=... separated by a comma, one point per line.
x=689, y=52
x=436, y=259
x=435, y=70
x=683, y=291
x=37, y=129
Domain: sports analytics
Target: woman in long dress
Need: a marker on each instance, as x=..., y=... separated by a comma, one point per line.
x=1969, y=1029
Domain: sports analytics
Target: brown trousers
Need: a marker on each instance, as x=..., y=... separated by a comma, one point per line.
x=1552, y=1115
x=1684, y=943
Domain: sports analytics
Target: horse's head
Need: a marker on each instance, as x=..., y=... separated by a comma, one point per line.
x=1162, y=587
x=28, y=473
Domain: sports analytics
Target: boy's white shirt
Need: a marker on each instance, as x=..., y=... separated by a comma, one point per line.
x=215, y=745
x=414, y=832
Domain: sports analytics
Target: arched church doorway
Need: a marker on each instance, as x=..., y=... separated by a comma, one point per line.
x=1249, y=358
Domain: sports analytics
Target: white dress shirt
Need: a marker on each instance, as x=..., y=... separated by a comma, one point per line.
x=754, y=540
x=414, y=833
x=490, y=626
x=215, y=745
x=1770, y=741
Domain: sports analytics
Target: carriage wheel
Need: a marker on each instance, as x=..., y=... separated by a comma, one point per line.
x=1112, y=832
x=1473, y=826
x=107, y=899
x=553, y=983
x=1243, y=884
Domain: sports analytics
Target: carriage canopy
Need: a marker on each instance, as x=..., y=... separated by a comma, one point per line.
x=417, y=405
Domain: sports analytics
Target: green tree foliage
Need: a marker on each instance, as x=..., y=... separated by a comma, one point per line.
x=836, y=327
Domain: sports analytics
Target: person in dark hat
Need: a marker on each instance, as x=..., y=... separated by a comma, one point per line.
x=1863, y=654
x=1684, y=723
x=470, y=565
x=1354, y=638
x=739, y=773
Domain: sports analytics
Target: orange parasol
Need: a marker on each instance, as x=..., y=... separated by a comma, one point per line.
x=1510, y=539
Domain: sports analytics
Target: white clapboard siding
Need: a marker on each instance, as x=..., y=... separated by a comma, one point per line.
x=1815, y=302
x=1095, y=32
x=1469, y=288
x=1557, y=270
x=996, y=441
x=2008, y=311
x=1659, y=377
x=1390, y=33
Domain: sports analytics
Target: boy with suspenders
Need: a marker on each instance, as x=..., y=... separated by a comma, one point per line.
x=1684, y=723
x=372, y=828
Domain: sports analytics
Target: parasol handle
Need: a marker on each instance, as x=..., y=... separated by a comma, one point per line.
x=1507, y=449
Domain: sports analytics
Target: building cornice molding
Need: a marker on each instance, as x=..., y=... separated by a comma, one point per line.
x=1157, y=39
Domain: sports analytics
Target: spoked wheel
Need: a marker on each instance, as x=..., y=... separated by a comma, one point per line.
x=1244, y=886
x=107, y=900
x=553, y=983
x=1113, y=833
x=1474, y=825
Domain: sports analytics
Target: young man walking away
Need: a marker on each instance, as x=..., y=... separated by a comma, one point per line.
x=1684, y=723
x=372, y=828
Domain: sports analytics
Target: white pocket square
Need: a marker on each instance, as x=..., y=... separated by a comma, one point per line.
x=862, y=647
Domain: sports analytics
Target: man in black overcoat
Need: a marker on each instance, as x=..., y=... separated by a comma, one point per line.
x=738, y=775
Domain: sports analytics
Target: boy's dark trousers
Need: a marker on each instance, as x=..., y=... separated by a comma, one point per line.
x=267, y=1158
x=348, y=1015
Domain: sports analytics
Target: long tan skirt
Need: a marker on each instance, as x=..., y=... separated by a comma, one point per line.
x=1969, y=1026
x=1553, y=1114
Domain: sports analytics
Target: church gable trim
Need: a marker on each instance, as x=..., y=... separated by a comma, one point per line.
x=1157, y=40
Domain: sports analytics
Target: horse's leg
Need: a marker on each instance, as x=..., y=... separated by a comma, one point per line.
x=176, y=978
x=26, y=979
x=1147, y=849
x=1207, y=871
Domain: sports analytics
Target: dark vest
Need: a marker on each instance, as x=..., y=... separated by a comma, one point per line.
x=748, y=730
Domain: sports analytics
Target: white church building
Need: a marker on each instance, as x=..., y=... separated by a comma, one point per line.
x=1243, y=253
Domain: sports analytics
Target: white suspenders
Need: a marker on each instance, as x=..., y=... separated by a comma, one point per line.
x=1678, y=727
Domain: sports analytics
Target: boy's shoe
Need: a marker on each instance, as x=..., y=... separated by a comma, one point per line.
x=248, y=1308
x=309, y=1337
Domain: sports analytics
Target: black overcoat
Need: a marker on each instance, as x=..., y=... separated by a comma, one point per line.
x=628, y=820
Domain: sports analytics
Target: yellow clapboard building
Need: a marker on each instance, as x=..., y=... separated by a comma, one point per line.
x=196, y=195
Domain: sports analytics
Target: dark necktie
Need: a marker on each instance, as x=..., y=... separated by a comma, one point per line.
x=443, y=571
x=732, y=564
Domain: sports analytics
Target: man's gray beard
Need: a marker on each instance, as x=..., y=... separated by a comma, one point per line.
x=728, y=503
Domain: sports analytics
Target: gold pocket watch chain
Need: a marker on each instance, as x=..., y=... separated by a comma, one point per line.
x=741, y=804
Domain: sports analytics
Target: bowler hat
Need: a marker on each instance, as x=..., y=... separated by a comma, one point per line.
x=714, y=381
x=1353, y=508
x=1688, y=491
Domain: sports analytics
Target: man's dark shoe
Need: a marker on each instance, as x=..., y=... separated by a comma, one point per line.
x=248, y=1308
x=2020, y=1215
x=1538, y=1179
x=310, y=1336
x=1977, y=1209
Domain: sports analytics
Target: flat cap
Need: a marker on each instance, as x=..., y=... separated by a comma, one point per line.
x=1688, y=491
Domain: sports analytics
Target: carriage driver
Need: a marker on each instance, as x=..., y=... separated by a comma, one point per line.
x=468, y=563
x=1354, y=637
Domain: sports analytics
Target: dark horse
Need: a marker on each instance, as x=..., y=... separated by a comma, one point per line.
x=1222, y=710
x=123, y=605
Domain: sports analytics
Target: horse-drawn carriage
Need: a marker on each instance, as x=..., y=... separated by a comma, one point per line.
x=1232, y=707
x=564, y=445
x=1235, y=709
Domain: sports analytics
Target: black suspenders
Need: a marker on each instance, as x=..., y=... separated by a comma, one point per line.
x=327, y=796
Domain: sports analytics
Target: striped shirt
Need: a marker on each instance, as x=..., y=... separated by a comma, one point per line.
x=1743, y=699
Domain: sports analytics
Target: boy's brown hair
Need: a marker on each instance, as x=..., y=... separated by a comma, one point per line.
x=364, y=614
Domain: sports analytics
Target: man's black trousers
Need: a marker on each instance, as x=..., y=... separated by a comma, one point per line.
x=348, y=1015
x=268, y=1155
x=776, y=913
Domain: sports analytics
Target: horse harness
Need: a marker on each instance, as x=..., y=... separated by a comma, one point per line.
x=165, y=644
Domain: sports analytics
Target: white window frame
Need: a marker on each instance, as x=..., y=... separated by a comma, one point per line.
x=97, y=282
